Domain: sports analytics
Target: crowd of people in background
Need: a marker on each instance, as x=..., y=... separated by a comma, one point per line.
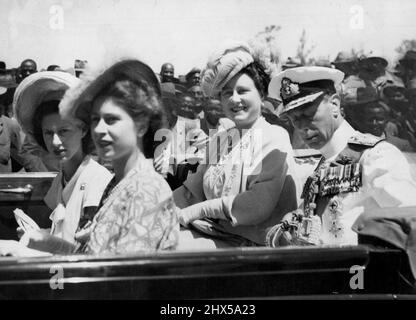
x=224, y=202
x=375, y=100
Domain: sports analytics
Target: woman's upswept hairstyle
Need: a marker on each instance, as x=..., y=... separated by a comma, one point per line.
x=260, y=78
x=140, y=101
x=133, y=85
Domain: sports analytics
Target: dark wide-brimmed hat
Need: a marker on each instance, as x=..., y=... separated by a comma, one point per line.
x=37, y=88
x=77, y=103
x=361, y=95
x=363, y=61
x=357, y=98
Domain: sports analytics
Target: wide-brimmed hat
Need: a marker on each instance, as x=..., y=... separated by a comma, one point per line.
x=363, y=61
x=37, y=88
x=78, y=101
x=360, y=95
x=357, y=98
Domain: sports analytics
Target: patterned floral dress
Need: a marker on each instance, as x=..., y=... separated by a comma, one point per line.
x=138, y=214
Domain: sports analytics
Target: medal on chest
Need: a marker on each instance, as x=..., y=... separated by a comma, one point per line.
x=335, y=211
x=329, y=181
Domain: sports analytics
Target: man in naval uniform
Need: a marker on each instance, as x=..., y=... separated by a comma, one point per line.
x=357, y=173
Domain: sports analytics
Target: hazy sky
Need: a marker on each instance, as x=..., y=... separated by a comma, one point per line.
x=184, y=32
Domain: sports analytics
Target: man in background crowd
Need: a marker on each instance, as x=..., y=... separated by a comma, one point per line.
x=167, y=73
x=193, y=77
x=27, y=67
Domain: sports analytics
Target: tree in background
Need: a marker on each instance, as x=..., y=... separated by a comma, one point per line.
x=304, y=50
x=265, y=47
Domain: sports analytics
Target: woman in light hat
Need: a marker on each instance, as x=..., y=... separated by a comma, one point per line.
x=76, y=191
x=242, y=190
x=137, y=213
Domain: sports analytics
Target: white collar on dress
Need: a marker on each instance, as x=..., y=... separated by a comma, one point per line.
x=338, y=141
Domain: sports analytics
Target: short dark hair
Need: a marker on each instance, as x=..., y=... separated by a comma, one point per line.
x=52, y=67
x=29, y=60
x=260, y=78
x=141, y=101
x=50, y=107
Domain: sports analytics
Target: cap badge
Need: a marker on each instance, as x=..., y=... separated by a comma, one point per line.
x=289, y=88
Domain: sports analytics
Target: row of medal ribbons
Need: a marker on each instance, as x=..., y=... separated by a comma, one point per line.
x=339, y=178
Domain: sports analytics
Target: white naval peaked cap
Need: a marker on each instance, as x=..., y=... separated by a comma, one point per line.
x=297, y=86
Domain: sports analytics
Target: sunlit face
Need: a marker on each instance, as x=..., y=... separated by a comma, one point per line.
x=396, y=98
x=317, y=121
x=241, y=101
x=113, y=131
x=27, y=68
x=167, y=72
x=213, y=111
x=63, y=139
x=195, y=79
x=374, y=120
x=197, y=92
x=187, y=108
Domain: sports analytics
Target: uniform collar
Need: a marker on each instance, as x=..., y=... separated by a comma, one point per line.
x=338, y=141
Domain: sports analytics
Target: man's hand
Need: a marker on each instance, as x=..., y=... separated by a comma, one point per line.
x=290, y=231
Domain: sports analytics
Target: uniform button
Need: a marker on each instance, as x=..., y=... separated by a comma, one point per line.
x=360, y=226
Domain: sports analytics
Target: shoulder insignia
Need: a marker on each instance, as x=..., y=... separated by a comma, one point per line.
x=365, y=139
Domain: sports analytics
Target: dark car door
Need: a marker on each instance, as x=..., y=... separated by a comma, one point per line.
x=25, y=191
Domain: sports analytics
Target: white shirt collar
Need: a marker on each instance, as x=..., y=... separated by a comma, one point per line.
x=338, y=141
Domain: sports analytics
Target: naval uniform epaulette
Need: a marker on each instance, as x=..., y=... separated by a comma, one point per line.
x=365, y=140
x=356, y=146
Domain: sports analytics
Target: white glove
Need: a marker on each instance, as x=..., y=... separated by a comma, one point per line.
x=213, y=208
